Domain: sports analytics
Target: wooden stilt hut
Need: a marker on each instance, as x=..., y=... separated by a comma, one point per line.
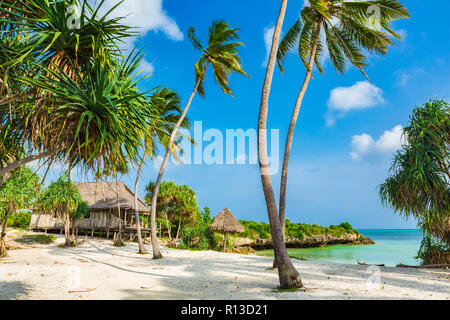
x=103, y=213
x=226, y=223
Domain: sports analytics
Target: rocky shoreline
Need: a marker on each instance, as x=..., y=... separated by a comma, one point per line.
x=307, y=242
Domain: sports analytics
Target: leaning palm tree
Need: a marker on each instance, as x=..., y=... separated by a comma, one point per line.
x=166, y=104
x=288, y=275
x=222, y=54
x=345, y=29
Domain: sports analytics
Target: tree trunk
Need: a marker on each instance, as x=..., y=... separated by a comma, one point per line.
x=142, y=249
x=179, y=227
x=224, y=242
x=69, y=242
x=288, y=275
x=169, y=228
x=16, y=164
x=118, y=242
x=290, y=137
x=156, y=252
x=3, y=252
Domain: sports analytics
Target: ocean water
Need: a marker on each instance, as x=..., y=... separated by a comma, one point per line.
x=391, y=248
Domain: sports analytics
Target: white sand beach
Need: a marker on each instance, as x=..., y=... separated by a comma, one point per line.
x=97, y=270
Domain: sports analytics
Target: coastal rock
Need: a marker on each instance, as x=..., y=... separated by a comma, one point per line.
x=319, y=240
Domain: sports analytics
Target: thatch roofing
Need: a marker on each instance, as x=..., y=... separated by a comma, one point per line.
x=225, y=222
x=105, y=197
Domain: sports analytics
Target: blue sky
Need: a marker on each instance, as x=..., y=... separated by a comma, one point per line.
x=348, y=129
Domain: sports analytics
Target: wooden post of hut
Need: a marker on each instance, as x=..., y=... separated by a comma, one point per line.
x=226, y=223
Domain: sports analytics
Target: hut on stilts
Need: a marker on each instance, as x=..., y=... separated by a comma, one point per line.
x=226, y=223
x=104, y=216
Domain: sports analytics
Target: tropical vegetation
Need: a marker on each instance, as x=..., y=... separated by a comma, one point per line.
x=17, y=193
x=63, y=200
x=418, y=185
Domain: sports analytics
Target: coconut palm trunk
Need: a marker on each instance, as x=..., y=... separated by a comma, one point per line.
x=156, y=251
x=290, y=135
x=288, y=275
x=142, y=249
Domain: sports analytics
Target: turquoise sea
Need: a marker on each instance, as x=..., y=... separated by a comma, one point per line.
x=391, y=248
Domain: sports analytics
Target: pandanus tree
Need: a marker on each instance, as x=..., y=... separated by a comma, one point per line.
x=345, y=30
x=418, y=185
x=16, y=194
x=222, y=54
x=62, y=199
x=47, y=47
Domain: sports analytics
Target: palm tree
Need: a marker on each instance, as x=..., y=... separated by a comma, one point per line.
x=62, y=198
x=418, y=185
x=346, y=30
x=46, y=40
x=166, y=104
x=222, y=54
x=288, y=275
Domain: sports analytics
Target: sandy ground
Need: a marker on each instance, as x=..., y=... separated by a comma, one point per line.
x=97, y=270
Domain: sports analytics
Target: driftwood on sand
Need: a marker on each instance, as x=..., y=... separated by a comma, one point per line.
x=365, y=264
x=429, y=266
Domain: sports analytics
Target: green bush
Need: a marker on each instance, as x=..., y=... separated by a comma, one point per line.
x=36, y=238
x=20, y=220
x=346, y=226
x=198, y=238
x=433, y=251
x=297, y=230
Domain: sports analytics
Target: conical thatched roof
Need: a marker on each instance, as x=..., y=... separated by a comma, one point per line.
x=92, y=193
x=225, y=222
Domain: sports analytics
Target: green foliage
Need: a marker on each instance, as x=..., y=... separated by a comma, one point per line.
x=174, y=202
x=433, y=251
x=348, y=31
x=221, y=52
x=418, y=182
x=36, y=238
x=200, y=236
x=20, y=219
x=19, y=191
x=63, y=199
x=297, y=230
x=346, y=226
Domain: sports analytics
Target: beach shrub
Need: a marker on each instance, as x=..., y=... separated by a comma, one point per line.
x=433, y=251
x=298, y=230
x=20, y=220
x=36, y=238
x=346, y=226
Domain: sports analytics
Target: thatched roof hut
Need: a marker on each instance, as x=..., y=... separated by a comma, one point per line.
x=226, y=222
x=103, y=196
x=103, y=211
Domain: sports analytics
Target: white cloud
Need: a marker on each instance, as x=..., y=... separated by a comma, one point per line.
x=402, y=33
x=147, y=67
x=268, y=37
x=361, y=144
x=405, y=75
x=362, y=95
x=146, y=15
x=364, y=146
